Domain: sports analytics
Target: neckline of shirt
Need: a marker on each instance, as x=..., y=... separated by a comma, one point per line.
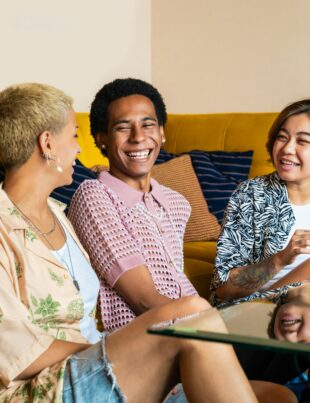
x=131, y=196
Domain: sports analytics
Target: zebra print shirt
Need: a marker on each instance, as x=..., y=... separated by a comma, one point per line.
x=257, y=222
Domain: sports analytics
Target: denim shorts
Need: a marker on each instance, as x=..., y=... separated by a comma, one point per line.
x=89, y=377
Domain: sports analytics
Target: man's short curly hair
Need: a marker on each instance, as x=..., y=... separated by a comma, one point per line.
x=119, y=88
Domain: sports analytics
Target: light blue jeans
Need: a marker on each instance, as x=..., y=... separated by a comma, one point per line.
x=89, y=378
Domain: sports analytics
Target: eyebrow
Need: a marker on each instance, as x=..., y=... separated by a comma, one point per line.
x=298, y=133
x=127, y=121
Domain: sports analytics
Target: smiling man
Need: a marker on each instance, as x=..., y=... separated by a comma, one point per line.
x=131, y=226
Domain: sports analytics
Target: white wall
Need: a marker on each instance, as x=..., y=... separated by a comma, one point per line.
x=231, y=55
x=76, y=45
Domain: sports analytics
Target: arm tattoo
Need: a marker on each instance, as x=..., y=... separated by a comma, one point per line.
x=254, y=276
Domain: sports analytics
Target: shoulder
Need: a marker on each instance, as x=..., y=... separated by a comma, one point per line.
x=260, y=186
x=174, y=197
x=91, y=189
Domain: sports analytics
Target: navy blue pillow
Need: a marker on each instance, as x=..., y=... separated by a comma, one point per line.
x=65, y=193
x=218, y=172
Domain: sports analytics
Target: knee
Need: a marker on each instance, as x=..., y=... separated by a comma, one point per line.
x=190, y=305
x=268, y=392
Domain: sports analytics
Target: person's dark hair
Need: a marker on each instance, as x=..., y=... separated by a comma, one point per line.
x=119, y=88
x=295, y=108
x=273, y=315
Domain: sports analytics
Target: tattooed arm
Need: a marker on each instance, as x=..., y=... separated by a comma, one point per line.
x=243, y=281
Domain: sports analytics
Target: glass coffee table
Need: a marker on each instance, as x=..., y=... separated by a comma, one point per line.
x=247, y=325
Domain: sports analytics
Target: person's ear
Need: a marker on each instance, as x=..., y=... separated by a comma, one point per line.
x=45, y=142
x=101, y=143
x=162, y=133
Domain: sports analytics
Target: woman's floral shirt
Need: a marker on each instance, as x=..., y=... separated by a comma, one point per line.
x=38, y=304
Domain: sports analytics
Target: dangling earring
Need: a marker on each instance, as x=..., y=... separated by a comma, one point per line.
x=52, y=161
x=163, y=140
x=103, y=149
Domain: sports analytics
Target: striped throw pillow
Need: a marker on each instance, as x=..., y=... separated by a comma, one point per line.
x=218, y=173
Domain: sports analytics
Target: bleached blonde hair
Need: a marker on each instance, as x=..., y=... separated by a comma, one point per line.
x=27, y=110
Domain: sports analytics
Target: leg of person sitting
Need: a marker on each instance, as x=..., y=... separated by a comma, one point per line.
x=268, y=392
x=147, y=366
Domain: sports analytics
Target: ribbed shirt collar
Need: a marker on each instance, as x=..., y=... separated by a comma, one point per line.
x=131, y=196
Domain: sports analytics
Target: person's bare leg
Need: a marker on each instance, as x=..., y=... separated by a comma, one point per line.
x=268, y=392
x=147, y=367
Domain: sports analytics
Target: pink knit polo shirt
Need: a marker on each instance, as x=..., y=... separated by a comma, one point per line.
x=122, y=228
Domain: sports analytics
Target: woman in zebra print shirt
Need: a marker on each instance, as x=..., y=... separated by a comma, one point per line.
x=265, y=239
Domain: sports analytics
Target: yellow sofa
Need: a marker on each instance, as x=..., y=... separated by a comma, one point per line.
x=209, y=132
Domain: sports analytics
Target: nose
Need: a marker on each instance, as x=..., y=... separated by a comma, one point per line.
x=290, y=146
x=137, y=133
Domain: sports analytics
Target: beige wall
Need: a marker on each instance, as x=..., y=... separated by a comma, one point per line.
x=204, y=55
x=231, y=55
x=76, y=45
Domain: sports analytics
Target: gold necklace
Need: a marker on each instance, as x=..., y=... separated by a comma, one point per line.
x=37, y=229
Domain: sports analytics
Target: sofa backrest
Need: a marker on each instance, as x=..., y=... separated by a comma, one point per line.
x=222, y=132
x=209, y=132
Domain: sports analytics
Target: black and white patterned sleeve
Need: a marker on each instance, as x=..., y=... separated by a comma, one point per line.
x=235, y=244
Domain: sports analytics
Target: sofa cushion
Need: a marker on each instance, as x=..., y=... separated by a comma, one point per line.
x=179, y=175
x=218, y=172
x=201, y=250
x=200, y=274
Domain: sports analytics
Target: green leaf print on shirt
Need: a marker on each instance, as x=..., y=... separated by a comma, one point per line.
x=30, y=235
x=23, y=391
x=75, y=309
x=61, y=335
x=40, y=391
x=46, y=307
x=55, y=277
x=18, y=269
x=13, y=211
x=61, y=373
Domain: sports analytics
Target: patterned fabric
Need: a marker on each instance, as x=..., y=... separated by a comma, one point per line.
x=107, y=217
x=257, y=222
x=178, y=174
x=219, y=173
x=34, y=310
x=65, y=193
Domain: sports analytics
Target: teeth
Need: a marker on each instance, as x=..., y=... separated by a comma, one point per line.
x=287, y=323
x=287, y=162
x=138, y=154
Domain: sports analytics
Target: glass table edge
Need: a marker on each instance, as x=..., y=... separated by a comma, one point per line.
x=241, y=340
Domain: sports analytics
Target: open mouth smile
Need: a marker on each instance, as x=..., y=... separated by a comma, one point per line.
x=288, y=323
x=139, y=155
x=286, y=162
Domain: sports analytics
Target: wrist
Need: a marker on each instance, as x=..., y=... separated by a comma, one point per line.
x=278, y=261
